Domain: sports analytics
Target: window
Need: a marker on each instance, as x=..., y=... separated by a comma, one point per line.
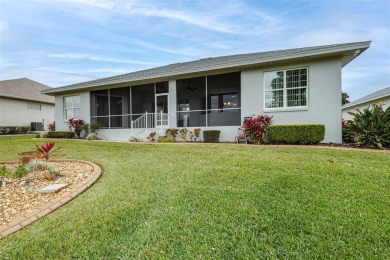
x=286, y=88
x=71, y=107
x=209, y=101
x=34, y=106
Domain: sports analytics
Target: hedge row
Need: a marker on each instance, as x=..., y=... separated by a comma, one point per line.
x=296, y=134
x=60, y=134
x=12, y=130
x=211, y=136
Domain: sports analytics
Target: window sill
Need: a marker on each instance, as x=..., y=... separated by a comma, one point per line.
x=285, y=109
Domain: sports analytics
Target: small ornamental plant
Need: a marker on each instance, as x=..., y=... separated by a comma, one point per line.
x=197, y=133
x=172, y=132
x=76, y=126
x=151, y=137
x=46, y=152
x=191, y=136
x=51, y=127
x=183, y=133
x=256, y=127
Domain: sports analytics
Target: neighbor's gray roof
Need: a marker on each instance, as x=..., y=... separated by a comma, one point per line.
x=373, y=96
x=346, y=51
x=26, y=89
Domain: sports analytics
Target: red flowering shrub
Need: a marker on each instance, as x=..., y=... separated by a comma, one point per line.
x=46, y=151
x=52, y=127
x=256, y=127
x=76, y=126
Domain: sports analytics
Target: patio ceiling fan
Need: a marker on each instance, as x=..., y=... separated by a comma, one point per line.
x=191, y=89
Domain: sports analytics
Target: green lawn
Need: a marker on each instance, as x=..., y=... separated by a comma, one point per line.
x=214, y=201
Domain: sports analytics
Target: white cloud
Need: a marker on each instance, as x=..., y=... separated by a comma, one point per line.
x=188, y=51
x=94, y=3
x=79, y=56
x=3, y=26
x=7, y=63
x=186, y=17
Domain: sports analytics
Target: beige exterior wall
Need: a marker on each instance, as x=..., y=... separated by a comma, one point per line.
x=386, y=104
x=14, y=112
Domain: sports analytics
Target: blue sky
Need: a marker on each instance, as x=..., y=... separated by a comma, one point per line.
x=61, y=42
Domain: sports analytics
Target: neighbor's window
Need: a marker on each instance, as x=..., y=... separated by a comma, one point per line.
x=71, y=107
x=286, y=88
x=34, y=106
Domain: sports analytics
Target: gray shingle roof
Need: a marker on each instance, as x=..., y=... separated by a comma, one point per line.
x=376, y=95
x=231, y=61
x=26, y=89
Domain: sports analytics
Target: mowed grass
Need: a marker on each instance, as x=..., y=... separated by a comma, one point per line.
x=216, y=201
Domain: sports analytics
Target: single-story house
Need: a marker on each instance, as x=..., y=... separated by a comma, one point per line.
x=23, y=104
x=379, y=97
x=295, y=86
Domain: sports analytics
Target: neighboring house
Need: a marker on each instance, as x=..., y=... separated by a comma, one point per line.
x=295, y=86
x=379, y=97
x=21, y=104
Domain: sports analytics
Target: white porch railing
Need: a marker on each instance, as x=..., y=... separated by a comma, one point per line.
x=149, y=121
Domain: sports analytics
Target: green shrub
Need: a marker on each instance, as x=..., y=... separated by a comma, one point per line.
x=164, y=139
x=39, y=165
x=296, y=134
x=211, y=136
x=94, y=128
x=92, y=136
x=37, y=135
x=370, y=127
x=21, y=171
x=11, y=130
x=60, y=134
x=4, y=171
x=23, y=129
x=43, y=134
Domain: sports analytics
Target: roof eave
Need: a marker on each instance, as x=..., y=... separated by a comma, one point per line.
x=28, y=99
x=348, y=51
x=352, y=104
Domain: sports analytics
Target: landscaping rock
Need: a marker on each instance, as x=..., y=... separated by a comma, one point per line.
x=52, y=188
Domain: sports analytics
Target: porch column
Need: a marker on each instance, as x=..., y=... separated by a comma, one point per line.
x=172, y=104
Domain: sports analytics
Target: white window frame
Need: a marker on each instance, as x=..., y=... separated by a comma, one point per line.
x=34, y=106
x=285, y=107
x=72, y=107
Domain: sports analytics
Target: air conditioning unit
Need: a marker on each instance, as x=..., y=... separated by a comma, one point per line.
x=36, y=126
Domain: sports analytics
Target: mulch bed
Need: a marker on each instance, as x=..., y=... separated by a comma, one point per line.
x=18, y=196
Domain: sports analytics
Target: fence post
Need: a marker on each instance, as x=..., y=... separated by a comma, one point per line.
x=132, y=128
x=146, y=119
x=161, y=121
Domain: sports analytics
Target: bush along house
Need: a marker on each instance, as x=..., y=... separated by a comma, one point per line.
x=294, y=86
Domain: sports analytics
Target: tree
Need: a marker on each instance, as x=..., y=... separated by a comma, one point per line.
x=344, y=98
